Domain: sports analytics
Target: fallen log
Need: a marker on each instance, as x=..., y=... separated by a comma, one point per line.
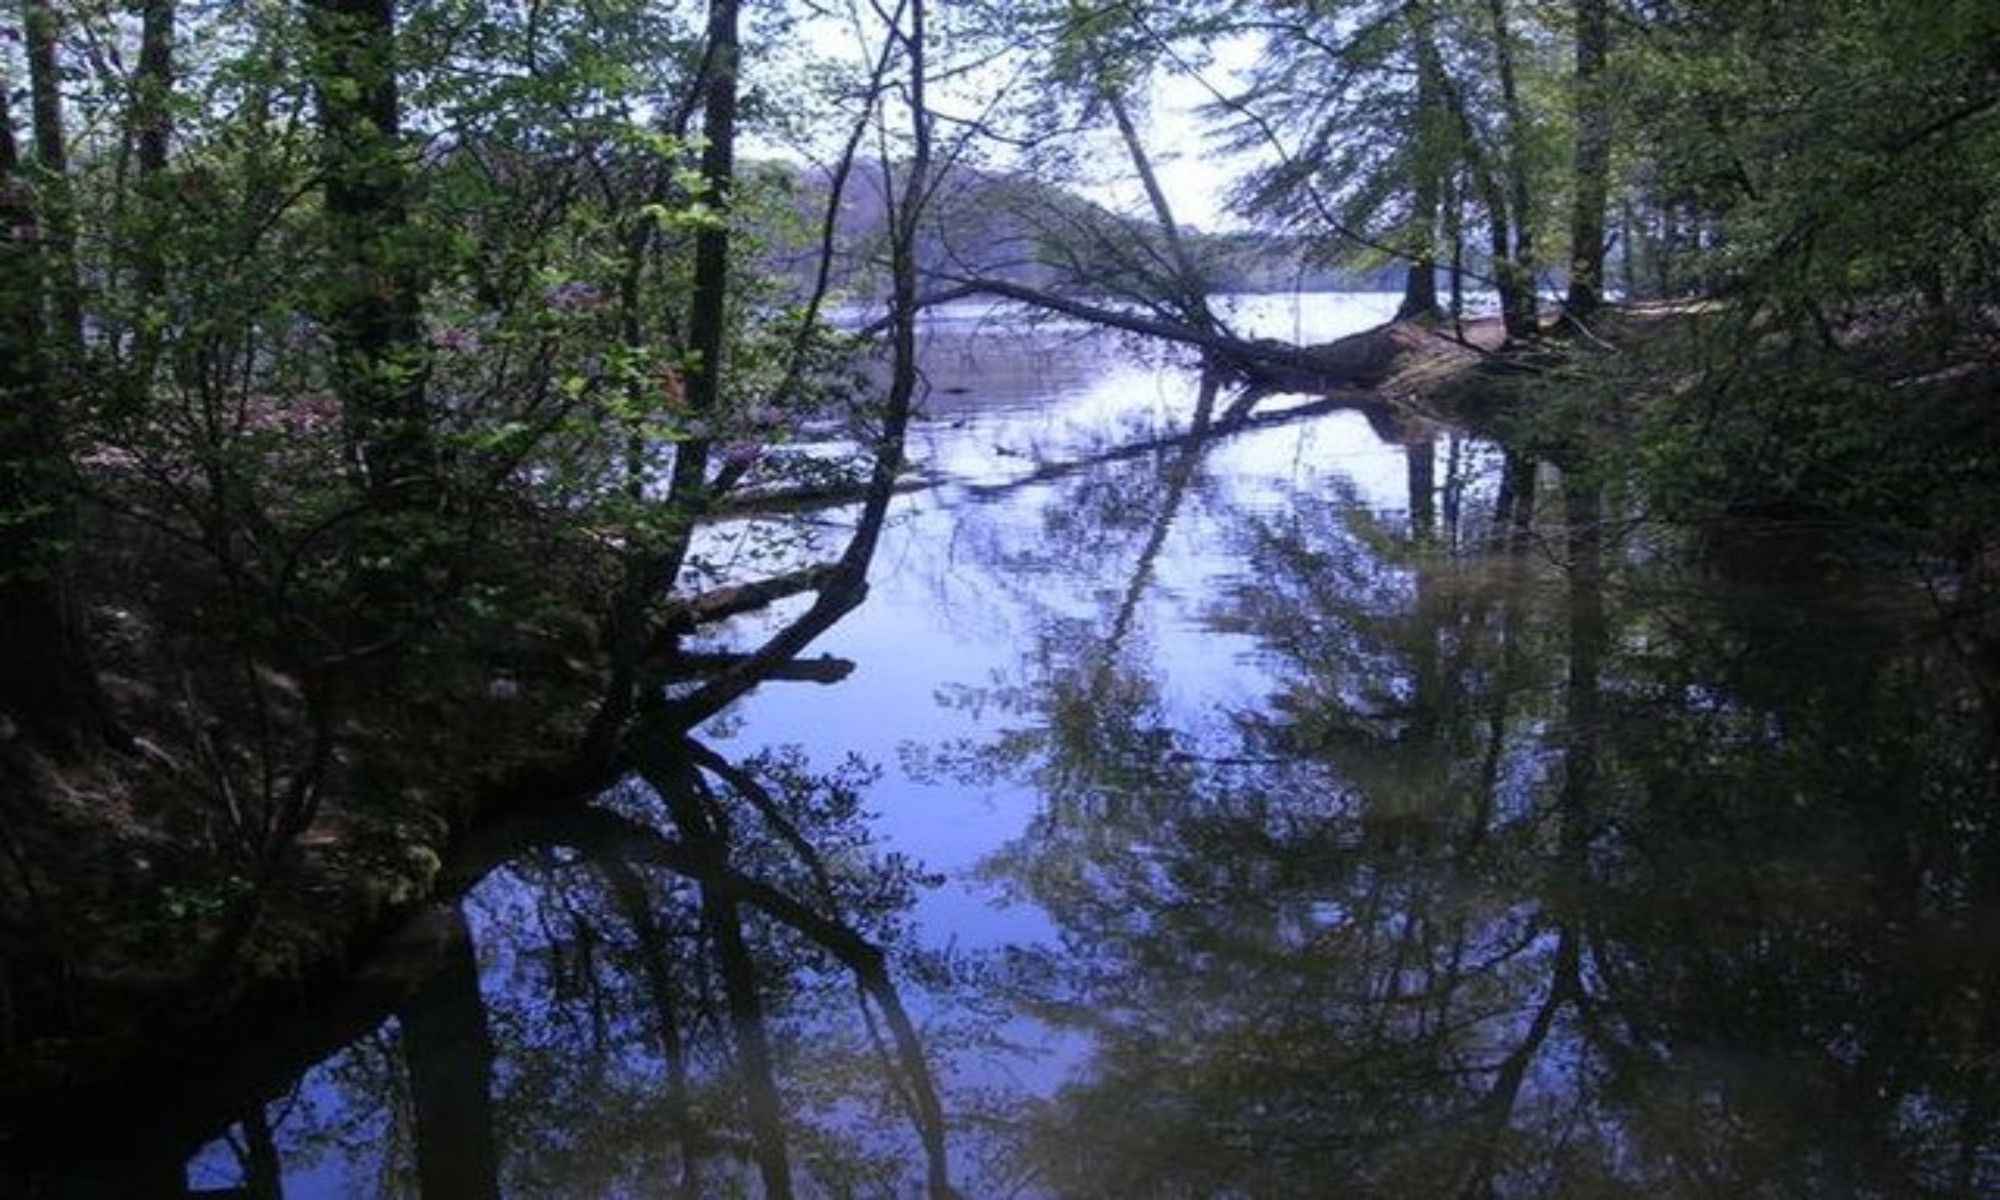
x=690, y=664
x=1371, y=360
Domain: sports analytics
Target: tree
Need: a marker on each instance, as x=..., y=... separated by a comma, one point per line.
x=407, y=345
x=1360, y=88
x=374, y=283
x=1592, y=160
x=49, y=687
x=1834, y=382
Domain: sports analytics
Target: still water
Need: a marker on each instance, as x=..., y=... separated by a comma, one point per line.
x=1267, y=814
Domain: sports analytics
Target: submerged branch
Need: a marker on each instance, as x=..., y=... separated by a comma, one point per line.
x=700, y=665
x=685, y=616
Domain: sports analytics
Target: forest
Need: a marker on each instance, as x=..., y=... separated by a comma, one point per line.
x=426, y=427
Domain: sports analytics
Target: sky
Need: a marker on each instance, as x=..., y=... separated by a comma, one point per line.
x=1195, y=175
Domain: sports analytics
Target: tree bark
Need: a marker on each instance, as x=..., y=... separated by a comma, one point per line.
x=708, y=305
x=152, y=130
x=1420, y=279
x=1191, y=294
x=47, y=686
x=1517, y=271
x=1593, y=161
x=377, y=284
x=58, y=218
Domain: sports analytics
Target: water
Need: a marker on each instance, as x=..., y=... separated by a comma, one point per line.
x=1288, y=838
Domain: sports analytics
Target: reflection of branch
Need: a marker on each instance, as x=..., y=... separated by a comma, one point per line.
x=596, y=832
x=766, y=805
x=1499, y=1103
x=1380, y=416
x=1178, y=476
x=629, y=889
x=449, y=1051
x=1579, y=777
x=723, y=919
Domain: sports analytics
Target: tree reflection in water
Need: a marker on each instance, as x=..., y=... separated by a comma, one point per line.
x=1535, y=865
x=1543, y=869
x=702, y=960
x=687, y=987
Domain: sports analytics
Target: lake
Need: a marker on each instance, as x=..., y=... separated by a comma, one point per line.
x=1270, y=813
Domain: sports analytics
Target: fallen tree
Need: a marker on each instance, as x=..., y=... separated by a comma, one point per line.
x=1379, y=359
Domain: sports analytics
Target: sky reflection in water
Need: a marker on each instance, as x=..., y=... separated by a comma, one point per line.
x=1291, y=849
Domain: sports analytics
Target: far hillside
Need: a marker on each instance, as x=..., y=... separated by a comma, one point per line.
x=1006, y=225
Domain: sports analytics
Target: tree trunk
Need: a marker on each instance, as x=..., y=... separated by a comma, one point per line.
x=1420, y=280
x=1190, y=293
x=653, y=564
x=152, y=129
x=152, y=118
x=708, y=305
x=1593, y=161
x=1627, y=260
x=1665, y=245
x=1455, y=234
x=904, y=304
x=1514, y=298
x=1420, y=297
x=377, y=284
x=47, y=686
x=1517, y=271
x=263, y=1166
x=58, y=217
x=1359, y=360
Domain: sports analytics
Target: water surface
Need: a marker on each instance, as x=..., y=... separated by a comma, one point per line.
x=1268, y=814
